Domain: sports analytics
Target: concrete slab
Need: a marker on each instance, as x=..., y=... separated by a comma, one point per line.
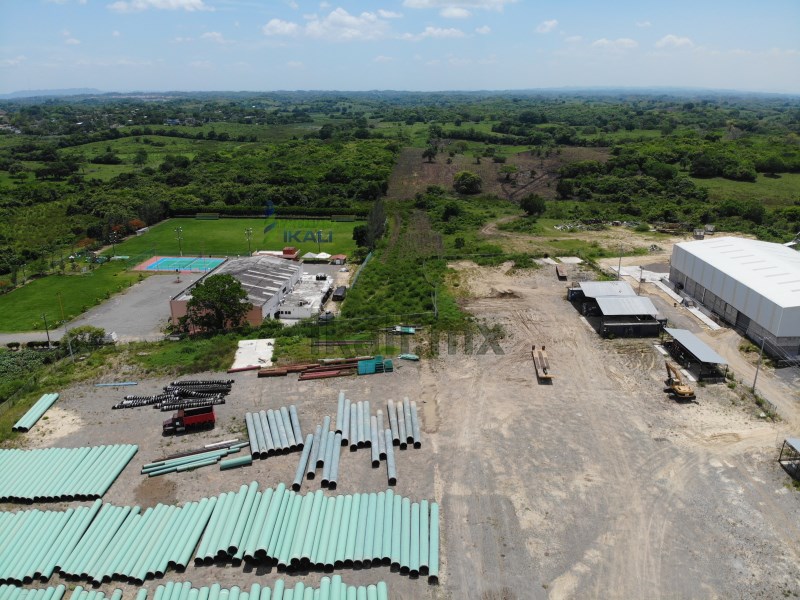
x=254, y=353
x=570, y=260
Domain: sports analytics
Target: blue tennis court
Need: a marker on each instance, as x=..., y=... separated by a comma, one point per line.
x=183, y=263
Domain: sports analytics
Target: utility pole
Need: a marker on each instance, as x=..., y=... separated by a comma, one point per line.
x=249, y=235
x=319, y=241
x=61, y=304
x=760, y=358
x=46, y=329
x=113, y=238
x=619, y=267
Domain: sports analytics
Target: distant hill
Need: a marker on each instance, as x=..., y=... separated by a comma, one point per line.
x=50, y=93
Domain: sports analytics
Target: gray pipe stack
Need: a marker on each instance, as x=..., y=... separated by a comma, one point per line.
x=274, y=431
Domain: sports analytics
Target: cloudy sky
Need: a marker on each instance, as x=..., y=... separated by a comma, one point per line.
x=126, y=45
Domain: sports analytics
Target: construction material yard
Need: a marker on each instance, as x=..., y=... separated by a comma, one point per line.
x=595, y=486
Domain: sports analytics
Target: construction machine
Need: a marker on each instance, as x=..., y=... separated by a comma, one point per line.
x=675, y=385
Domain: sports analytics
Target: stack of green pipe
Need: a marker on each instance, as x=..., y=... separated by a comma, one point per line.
x=81, y=594
x=35, y=413
x=189, y=463
x=10, y=592
x=330, y=588
x=298, y=531
x=61, y=473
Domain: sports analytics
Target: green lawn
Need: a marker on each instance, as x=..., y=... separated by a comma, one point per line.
x=22, y=309
x=226, y=237
x=773, y=191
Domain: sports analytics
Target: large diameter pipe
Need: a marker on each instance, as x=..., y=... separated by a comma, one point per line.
x=374, y=445
x=326, y=467
x=287, y=427
x=377, y=540
x=381, y=437
x=320, y=549
x=346, y=425
x=340, y=412
x=408, y=422
x=276, y=533
x=265, y=431
x=299, y=536
x=391, y=467
x=311, y=467
x=251, y=434
x=368, y=546
x=303, y=464
x=393, y=422
x=417, y=430
x=333, y=481
x=360, y=424
x=251, y=542
x=353, y=426
x=405, y=536
x=279, y=499
x=277, y=431
x=295, y=420
x=402, y=434
x=233, y=463
x=322, y=517
x=326, y=426
x=344, y=527
x=413, y=559
x=433, y=570
x=424, y=537
x=397, y=512
x=361, y=531
x=241, y=520
x=328, y=559
x=314, y=525
x=290, y=526
x=366, y=418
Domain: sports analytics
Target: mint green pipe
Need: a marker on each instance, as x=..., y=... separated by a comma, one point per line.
x=397, y=512
x=251, y=541
x=388, y=512
x=221, y=547
x=195, y=530
x=71, y=539
x=405, y=536
x=319, y=546
x=202, y=548
x=233, y=463
x=328, y=557
x=336, y=588
x=161, y=557
x=433, y=571
x=71, y=564
x=248, y=527
x=299, y=536
x=341, y=531
x=369, y=539
x=413, y=560
x=141, y=594
x=351, y=593
x=372, y=592
x=277, y=590
x=216, y=534
x=361, y=593
x=424, y=537
x=352, y=527
x=141, y=556
x=325, y=588
x=213, y=592
x=240, y=519
x=99, y=566
x=310, y=533
x=266, y=593
x=124, y=550
x=377, y=542
x=196, y=465
x=137, y=555
x=275, y=533
x=361, y=530
x=271, y=522
x=383, y=591
x=290, y=528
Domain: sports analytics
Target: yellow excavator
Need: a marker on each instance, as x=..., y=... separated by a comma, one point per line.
x=675, y=385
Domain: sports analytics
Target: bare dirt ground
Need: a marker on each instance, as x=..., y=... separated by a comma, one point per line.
x=413, y=174
x=597, y=486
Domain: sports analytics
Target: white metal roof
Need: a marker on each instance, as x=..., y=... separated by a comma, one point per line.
x=771, y=269
x=614, y=306
x=594, y=289
x=699, y=349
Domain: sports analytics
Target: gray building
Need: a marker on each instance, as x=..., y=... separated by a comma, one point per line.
x=752, y=285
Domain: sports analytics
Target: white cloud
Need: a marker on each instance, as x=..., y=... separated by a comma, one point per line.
x=382, y=59
x=546, y=26
x=323, y=5
x=293, y=5
x=201, y=64
x=455, y=12
x=573, y=39
x=340, y=25
x=643, y=24
x=12, y=62
x=115, y=33
x=435, y=33
x=72, y=41
x=214, y=36
x=295, y=64
x=279, y=27
x=485, y=30
x=388, y=14
x=182, y=40
x=126, y=6
x=469, y=4
x=674, y=41
x=618, y=44
x=65, y=32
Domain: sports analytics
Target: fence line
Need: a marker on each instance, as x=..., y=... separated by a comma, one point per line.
x=360, y=268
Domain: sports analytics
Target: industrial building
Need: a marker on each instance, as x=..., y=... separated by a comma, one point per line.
x=620, y=312
x=306, y=299
x=266, y=279
x=752, y=285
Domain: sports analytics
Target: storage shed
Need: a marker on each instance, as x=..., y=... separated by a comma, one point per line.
x=619, y=311
x=694, y=353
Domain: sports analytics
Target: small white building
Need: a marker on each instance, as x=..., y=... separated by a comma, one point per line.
x=306, y=299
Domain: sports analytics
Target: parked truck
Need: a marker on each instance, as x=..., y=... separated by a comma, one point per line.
x=186, y=419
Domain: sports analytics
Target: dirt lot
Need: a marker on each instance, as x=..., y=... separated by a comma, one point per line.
x=596, y=486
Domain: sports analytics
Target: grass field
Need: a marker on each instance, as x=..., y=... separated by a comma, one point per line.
x=22, y=309
x=226, y=237
x=772, y=191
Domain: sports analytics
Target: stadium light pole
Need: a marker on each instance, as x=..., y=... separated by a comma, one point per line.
x=46, y=329
x=179, y=237
x=319, y=241
x=249, y=235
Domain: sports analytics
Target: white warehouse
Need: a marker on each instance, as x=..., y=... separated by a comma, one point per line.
x=753, y=285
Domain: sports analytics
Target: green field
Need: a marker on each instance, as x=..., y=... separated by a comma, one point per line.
x=22, y=309
x=773, y=191
x=226, y=237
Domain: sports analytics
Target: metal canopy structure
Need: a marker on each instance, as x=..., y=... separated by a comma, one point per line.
x=695, y=346
x=596, y=289
x=789, y=458
x=626, y=306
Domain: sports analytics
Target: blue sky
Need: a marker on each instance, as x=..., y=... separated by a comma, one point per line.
x=126, y=45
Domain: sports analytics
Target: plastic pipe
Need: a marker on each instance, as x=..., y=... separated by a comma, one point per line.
x=287, y=427
x=326, y=426
x=402, y=434
x=381, y=437
x=269, y=440
x=366, y=418
x=303, y=523
x=346, y=426
x=405, y=536
x=360, y=424
x=277, y=431
x=337, y=451
x=391, y=467
x=328, y=558
x=340, y=412
x=415, y=425
x=298, y=434
x=352, y=530
x=314, y=524
x=374, y=445
x=413, y=559
x=433, y=570
x=275, y=534
x=251, y=434
x=396, y=531
x=259, y=519
x=407, y=419
x=302, y=465
x=368, y=546
x=341, y=534
x=353, y=426
x=311, y=467
x=326, y=467
x=376, y=553
x=313, y=555
x=248, y=506
x=323, y=535
x=424, y=537
x=289, y=529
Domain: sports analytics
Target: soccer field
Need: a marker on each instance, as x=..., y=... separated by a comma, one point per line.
x=228, y=237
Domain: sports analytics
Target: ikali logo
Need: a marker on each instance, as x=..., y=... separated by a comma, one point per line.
x=297, y=236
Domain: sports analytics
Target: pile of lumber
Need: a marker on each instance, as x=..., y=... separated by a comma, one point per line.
x=324, y=368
